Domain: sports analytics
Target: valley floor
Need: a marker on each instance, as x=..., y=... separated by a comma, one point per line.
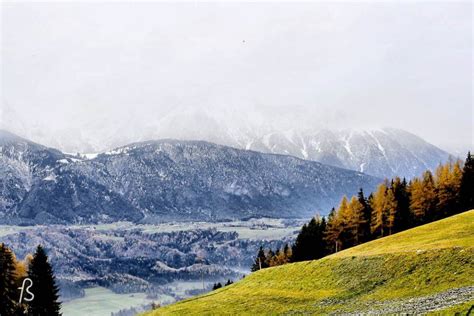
x=100, y=301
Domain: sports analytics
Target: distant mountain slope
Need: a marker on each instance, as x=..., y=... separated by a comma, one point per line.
x=384, y=152
x=22, y=163
x=167, y=180
x=424, y=269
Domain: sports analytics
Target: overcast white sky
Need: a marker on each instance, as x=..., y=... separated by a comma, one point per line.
x=398, y=64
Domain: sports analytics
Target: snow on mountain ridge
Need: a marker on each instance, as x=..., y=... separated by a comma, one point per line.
x=169, y=180
x=385, y=152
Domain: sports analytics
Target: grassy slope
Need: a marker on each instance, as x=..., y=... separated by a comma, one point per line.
x=421, y=261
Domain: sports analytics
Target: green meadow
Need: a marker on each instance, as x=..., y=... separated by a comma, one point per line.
x=423, y=261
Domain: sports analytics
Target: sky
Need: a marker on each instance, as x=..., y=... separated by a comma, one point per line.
x=95, y=67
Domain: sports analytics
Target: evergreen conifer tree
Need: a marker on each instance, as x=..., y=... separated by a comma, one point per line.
x=288, y=252
x=367, y=214
x=466, y=190
x=44, y=286
x=317, y=246
x=310, y=243
x=402, y=198
x=260, y=261
x=301, y=244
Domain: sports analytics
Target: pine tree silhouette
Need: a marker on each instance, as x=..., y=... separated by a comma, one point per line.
x=310, y=243
x=44, y=288
x=367, y=215
x=8, y=291
x=467, y=184
x=400, y=189
x=260, y=261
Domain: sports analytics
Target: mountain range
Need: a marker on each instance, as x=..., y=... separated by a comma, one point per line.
x=164, y=180
x=384, y=153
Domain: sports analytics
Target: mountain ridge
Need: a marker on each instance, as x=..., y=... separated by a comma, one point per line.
x=381, y=152
x=168, y=180
x=385, y=153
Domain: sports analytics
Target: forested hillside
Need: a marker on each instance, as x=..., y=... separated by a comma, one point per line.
x=395, y=206
x=422, y=270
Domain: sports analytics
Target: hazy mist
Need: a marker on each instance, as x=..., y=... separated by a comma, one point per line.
x=97, y=71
